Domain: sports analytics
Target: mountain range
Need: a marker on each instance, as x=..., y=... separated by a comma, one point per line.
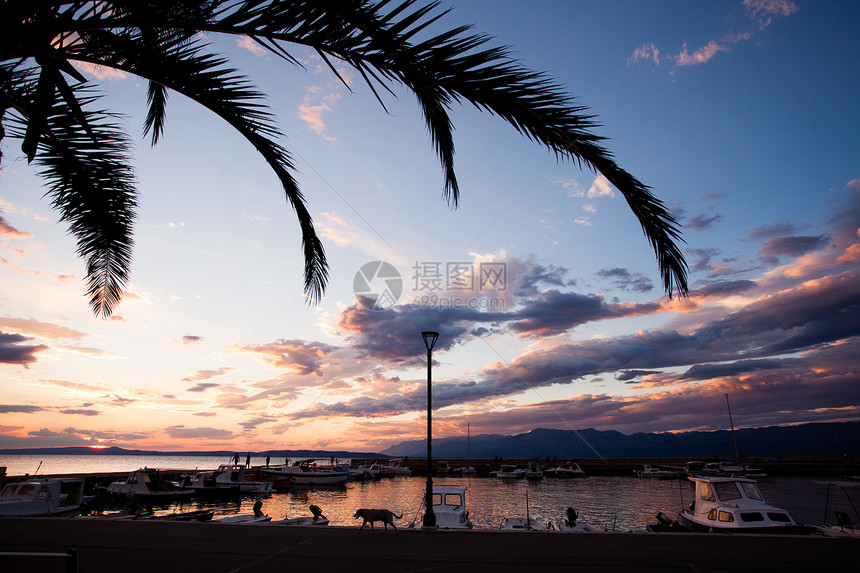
x=813, y=440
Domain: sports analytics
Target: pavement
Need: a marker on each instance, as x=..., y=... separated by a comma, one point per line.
x=104, y=545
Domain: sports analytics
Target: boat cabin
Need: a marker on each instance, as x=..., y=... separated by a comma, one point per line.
x=732, y=503
x=449, y=507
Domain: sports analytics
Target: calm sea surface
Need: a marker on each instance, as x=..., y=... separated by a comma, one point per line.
x=619, y=503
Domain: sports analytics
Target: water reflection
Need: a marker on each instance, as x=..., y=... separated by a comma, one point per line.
x=611, y=503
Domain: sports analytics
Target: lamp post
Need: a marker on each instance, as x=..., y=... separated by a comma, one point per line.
x=430, y=339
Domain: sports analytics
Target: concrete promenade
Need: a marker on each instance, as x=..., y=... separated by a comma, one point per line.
x=120, y=546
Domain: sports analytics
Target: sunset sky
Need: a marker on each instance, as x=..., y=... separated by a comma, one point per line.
x=741, y=115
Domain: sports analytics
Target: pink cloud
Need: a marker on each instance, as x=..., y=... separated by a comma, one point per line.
x=250, y=45
x=701, y=55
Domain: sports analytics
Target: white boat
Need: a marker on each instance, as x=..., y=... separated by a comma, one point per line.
x=364, y=472
x=522, y=524
x=317, y=518
x=734, y=504
x=449, y=507
x=149, y=485
x=243, y=518
x=571, y=523
x=465, y=471
x=571, y=470
x=508, y=471
x=394, y=468
x=307, y=472
x=649, y=472
x=226, y=479
x=443, y=468
x=844, y=526
x=42, y=497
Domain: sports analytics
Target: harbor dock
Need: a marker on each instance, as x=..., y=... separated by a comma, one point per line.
x=103, y=545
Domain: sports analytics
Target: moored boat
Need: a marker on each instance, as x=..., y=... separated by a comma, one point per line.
x=449, y=507
x=307, y=472
x=42, y=497
x=649, y=472
x=734, y=504
x=149, y=485
x=522, y=524
x=508, y=471
x=227, y=479
x=533, y=470
x=571, y=470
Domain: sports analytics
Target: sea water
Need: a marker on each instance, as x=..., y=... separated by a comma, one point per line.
x=613, y=503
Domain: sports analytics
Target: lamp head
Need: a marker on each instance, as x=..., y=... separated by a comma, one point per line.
x=430, y=339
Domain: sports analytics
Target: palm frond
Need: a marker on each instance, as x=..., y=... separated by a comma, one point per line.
x=90, y=182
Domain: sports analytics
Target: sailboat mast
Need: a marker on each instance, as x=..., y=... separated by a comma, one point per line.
x=732, y=424
x=468, y=445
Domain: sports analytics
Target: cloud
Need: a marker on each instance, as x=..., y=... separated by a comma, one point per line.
x=7, y=229
x=702, y=222
x=19, y=409
x=700, y=56
x=793, y=246
x=80, y=412
x=181, y=432
x=202, y=387
x=765, y=11
x=12, y=351
x=26, y=271
x=626, y=280
x=646, y=52
x=207, y=374
x=249, y=44
x=295, y=355
x=32, y=327
x=191, y=339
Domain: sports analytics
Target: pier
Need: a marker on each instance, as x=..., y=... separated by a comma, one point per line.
x=131, y=546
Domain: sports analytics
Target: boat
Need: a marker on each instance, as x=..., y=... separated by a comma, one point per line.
x=316, y=519
x=533, y=470
x=468, y=469
x=508, y=471
x=307, y=472
x=243, y=518
x=734, y=504
x=522, y=524
x=149, y=485
x=364, y=472
x=443, y=468
x=449, y=507
x=394, y=468
x=844, y=526
x=257, y=517
x=228, y=478
x=571, y=470
x=649, y=472
x=571, y=523
x=38, y=497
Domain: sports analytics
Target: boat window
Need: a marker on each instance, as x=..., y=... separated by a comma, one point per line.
x=705, y=491
x=752, y=491
x=453, y=499
x=727, y=490
x=748, y=516
x=726, y=516
x=44, y=493
x=9, y=490
x=437, y=499
x=779, y=516
x=27, y=489
x=712, y=515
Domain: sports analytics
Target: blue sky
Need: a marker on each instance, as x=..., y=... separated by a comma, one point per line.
x=740, y=115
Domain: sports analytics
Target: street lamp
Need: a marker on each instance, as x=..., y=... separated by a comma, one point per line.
x=430, y=339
